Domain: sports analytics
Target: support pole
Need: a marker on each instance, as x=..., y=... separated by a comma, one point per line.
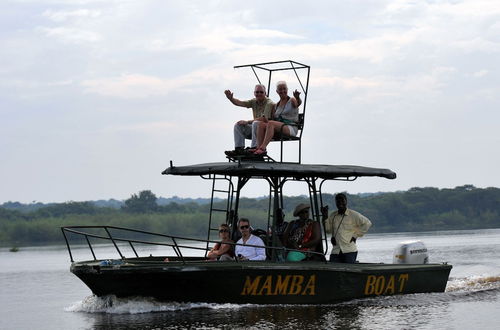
x=276, y=187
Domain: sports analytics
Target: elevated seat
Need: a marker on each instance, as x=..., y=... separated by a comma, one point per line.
x=288, y=65
x=280, y=137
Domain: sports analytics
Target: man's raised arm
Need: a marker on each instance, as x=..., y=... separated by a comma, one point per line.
x=234, y=100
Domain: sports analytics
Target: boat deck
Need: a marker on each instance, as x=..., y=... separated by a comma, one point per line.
x=201, y=263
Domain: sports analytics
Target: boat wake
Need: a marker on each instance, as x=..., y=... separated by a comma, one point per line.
x=473, y=283
x=138, y=305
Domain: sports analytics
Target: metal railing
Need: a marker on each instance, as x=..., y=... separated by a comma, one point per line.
x=175, y=244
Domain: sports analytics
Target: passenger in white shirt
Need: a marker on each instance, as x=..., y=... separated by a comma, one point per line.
x=244, y=252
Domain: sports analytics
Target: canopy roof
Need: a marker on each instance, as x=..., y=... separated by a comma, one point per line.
x=270, y=169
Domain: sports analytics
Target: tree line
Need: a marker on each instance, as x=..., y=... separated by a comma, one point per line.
x=417, y=209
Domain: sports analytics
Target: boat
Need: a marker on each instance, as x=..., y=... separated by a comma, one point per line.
x=181, y=277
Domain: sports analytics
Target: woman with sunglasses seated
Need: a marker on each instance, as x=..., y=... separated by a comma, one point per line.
x=286, y=117
x=222, y=251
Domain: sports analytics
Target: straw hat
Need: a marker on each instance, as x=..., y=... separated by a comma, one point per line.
x=299, y=208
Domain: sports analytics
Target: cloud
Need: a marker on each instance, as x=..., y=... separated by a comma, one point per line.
x=63, y=15
x=162, y=126
x=480, y=73
x=221, y=39
x=128, y=86
x=169, y=127
x=239, y=31
x=71, y=35
x=477, y=44
x=324, y=81
x=143, y=86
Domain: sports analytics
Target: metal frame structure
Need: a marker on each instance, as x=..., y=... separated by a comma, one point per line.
x=276, y=184
x=276, y=174
x=177, y=242
x=269, y=68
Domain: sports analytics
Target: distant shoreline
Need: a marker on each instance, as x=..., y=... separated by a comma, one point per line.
x=414, y=210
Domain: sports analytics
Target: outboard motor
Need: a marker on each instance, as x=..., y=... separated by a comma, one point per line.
x=410, y=252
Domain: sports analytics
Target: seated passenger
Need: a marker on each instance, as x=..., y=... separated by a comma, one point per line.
x=285, y=113
x=302, y=234
x=249, y=252
x=262, y=106
x=279, y=230
x=281, y=224
x=222, y=251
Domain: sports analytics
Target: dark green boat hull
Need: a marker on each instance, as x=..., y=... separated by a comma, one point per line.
x=258, y=282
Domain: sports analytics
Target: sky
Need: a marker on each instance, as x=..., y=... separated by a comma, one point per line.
x=97, y=97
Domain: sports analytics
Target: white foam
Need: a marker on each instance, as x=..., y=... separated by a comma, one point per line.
x=473, y=283
x=138, y=305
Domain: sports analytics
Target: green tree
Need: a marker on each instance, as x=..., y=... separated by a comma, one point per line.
x=144, y=202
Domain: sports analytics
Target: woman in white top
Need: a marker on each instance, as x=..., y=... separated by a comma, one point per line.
x=286, y=114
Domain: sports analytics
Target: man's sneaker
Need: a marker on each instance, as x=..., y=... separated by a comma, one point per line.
x=236, y=152
x=248, y=151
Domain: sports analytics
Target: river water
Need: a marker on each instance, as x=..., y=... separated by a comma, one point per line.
x=37, y=291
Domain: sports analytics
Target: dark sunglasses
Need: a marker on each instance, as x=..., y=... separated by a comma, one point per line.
x=259, y=92
x=223, y=231
x=244, y=227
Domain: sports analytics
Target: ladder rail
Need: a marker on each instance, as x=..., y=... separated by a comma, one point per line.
x=229, y=192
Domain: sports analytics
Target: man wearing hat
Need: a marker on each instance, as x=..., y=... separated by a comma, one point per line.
x=302, y=234
x=346, y=226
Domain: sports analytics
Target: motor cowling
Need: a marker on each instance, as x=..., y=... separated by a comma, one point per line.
x=410, y=252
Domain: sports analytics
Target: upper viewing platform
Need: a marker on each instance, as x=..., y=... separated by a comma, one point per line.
x=270, y=169
x=282, y=121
